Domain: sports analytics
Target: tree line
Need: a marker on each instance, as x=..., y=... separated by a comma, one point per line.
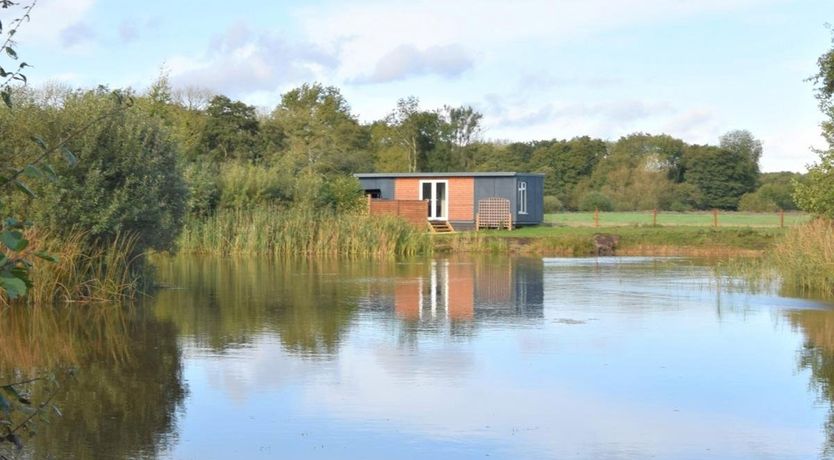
x=166, y=155
x=312, y=133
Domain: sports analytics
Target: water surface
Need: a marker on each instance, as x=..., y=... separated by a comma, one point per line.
x=460, y=357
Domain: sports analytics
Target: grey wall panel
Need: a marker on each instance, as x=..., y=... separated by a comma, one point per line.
x=502, y=187
x=535, y=200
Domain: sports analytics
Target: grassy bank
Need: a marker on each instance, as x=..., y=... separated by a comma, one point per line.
x=300, y=232
x=667, y=218
x=634, y=240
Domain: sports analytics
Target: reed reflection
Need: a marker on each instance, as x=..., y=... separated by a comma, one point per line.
x=124, y=398
x=817, y=356
x=224, y=303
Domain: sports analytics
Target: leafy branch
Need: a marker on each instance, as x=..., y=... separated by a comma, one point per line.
x=7, y=47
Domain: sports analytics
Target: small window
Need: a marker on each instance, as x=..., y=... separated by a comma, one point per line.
x=522, y=197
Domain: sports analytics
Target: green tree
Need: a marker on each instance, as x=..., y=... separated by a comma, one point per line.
x=464, y=126
x=565, y=163
x=815, y=194
x=317, y=132
x=742, y=141
x=231, y=131
x=415, y=135
x=722, y=176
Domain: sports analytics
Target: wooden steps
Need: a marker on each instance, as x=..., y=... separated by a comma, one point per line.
x=440, y=226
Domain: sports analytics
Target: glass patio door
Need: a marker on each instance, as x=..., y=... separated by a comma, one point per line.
x=435, y=192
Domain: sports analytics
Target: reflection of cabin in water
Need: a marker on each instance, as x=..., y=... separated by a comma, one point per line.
x=467, y=290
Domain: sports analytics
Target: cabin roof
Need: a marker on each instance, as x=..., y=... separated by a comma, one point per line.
x=443, y=174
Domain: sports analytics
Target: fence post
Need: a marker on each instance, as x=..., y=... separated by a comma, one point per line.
x=654, y=218
x=781, y=218
x=369, y=203
x=715, y=217
x=596, y=217
x=477, y=222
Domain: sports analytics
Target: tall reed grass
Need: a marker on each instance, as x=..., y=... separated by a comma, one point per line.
x=805, y=257
x=84, y=271
x=285, y=232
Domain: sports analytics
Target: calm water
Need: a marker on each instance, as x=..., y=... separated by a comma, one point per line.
x=621, y=358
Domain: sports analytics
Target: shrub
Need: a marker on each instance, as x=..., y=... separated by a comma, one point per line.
x=247, y=186
x=203, y=189
x=595, y=200
x=340, y=194
x=126, y=180
x=756, y=202
x=552, y=204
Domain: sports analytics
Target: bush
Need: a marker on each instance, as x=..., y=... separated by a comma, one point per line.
x=677, y=206
x=247, y=186
x=552, y=204
x=756, y=202
x=126, y=180
x=203, y=189
x=681, y=198
x=340, y=194
x=595, y=200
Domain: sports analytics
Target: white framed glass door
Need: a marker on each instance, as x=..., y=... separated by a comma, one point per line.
x=436, y=191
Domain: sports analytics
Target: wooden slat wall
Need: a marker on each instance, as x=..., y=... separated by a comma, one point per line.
x=413, y=211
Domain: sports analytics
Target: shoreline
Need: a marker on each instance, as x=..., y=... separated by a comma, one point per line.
x=686, y=241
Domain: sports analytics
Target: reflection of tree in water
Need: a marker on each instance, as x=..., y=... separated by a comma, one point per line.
x=817, y=355
x=225, y=302
x=123, y=401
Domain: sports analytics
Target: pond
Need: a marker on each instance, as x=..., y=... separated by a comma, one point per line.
x=457, y=357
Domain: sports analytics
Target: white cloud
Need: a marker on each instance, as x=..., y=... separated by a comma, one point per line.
x=362, y=29
x=241, y=61
x=53, y=20
x=77, y=34
x=408, y=61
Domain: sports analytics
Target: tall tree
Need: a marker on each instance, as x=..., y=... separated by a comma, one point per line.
x=742, y=141
x=463, y=125
x=318, y=132
x=816, y=193
x=405, y=131
x=722, y=176
x=417, y=136
x=231, y=130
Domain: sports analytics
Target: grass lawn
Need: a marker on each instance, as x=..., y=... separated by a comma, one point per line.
x=667, y=218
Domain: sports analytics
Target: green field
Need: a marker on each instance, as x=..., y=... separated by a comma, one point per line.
x=697, y=219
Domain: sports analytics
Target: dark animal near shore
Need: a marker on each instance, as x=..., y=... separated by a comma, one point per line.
x=604, y=244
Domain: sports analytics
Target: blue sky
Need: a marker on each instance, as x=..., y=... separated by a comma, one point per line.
x=536, y=69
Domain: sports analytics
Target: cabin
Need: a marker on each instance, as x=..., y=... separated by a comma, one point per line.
x=458, y=201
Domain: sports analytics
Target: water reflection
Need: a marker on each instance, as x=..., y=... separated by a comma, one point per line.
x=452, y=357
x=466, y=289
x=124, y=399
x=817, y=356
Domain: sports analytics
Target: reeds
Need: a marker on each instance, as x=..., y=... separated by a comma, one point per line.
x=84, y=271
x=805, y=257
x=285, y=232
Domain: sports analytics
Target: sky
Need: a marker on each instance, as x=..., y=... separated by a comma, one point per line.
x=536, y=69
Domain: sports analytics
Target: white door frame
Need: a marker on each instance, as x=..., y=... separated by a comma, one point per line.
x=433, y=198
